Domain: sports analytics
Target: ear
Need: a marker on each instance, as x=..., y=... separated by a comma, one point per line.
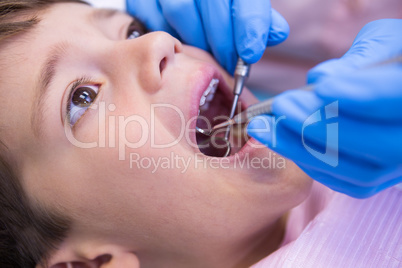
x=90, y=256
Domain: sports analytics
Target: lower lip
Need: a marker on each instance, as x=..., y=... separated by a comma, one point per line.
x=247, y=149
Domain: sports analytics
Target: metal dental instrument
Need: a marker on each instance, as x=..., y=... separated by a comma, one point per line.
x=241, y=73
x=224, y=147
x=203, y=131
x=264, y=107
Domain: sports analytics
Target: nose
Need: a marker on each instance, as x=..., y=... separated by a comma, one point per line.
x=148, y=56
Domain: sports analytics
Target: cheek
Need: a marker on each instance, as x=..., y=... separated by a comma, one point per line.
x=275, y=189
x=115, y=128
x=95, y=185
x=295, y=186
x=199, y=54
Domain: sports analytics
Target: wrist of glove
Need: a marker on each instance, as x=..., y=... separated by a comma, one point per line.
x=346, y=133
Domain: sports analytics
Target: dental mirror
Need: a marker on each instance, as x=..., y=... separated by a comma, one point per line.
x=215, y=146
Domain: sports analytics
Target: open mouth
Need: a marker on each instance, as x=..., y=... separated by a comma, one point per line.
x=214, y=108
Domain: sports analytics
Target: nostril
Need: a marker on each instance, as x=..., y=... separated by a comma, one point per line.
x=162, y=64
x=101, y=260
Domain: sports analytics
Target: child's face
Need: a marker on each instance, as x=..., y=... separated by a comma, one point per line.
x=172, y=193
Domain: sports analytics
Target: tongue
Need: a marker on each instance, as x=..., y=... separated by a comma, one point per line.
x=213, y=146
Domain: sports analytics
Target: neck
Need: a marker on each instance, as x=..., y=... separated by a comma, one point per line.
x=239, y=254
x=265, y=243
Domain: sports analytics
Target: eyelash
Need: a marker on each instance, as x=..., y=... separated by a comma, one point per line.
x=135, y=29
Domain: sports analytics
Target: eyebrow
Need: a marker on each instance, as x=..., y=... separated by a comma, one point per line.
x=48, y=72
x=104, y=13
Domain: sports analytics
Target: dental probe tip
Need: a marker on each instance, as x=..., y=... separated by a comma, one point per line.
x=206, y=132
x=232, y=112
x=222, y=125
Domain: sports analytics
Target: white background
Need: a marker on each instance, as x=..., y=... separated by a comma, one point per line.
x=117, y=4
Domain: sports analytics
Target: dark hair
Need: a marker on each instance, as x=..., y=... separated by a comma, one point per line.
x=28, y=232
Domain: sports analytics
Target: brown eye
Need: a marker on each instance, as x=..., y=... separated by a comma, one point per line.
x=136, y=29
x=84, y=96
x=81, y=100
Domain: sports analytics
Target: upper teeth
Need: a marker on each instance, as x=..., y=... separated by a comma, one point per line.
x=209, y=94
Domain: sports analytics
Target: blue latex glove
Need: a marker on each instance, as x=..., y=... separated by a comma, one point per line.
x=353, y=144
x=227, y=28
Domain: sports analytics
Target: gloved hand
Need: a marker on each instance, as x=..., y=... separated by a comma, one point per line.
x=227, y=28
x=347, y=132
